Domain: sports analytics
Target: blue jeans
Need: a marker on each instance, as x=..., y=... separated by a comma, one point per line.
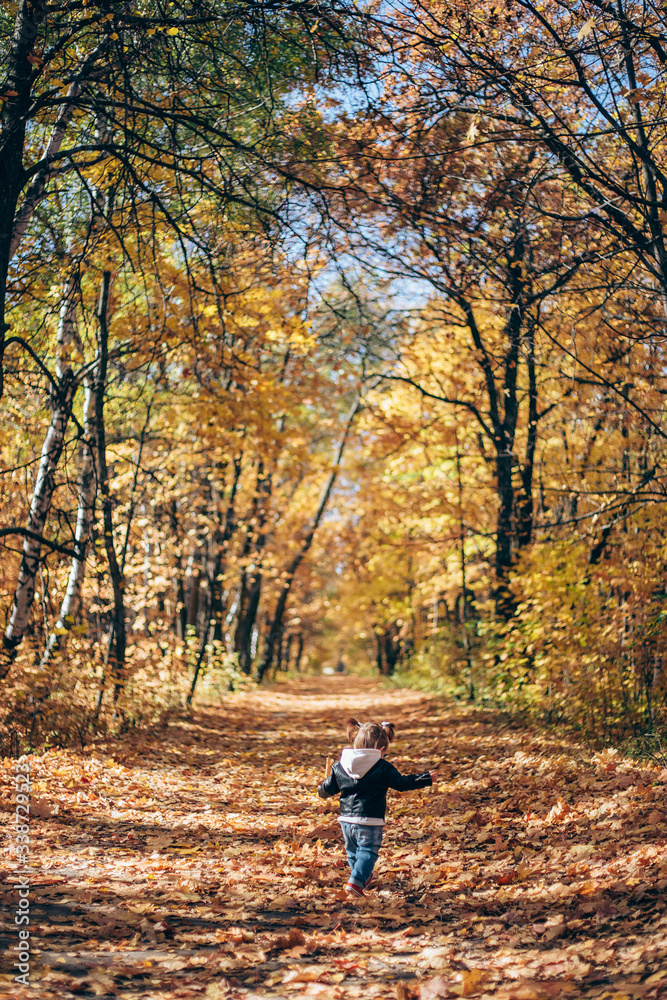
x=362, y=845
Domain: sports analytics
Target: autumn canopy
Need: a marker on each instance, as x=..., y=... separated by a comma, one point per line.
x=332, y=335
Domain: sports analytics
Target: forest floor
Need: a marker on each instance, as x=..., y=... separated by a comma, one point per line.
x=195, y=860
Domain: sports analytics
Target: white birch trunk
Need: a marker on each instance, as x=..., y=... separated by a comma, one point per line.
x=71, y=603
x=63, y=397
x=37, y=188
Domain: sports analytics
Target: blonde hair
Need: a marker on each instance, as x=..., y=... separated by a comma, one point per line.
x=370, y=735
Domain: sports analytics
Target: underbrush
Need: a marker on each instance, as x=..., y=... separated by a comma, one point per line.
x=221, y=676
x=76, y=697
x=649, y=746
x=602, y=695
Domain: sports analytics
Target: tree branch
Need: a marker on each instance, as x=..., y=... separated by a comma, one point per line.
x=26, y=533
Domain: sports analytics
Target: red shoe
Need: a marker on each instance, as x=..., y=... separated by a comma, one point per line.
x=353, y=890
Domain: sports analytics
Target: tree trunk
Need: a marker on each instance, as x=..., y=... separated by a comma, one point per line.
x=36, y=190
x=379, y=650
x=505, y=440
x=526, y=506
x=248, y=607
x=504, y=532
x=213, y=625
x=503, y=411
x=193, y=592
x=181, y=611
x=289, y=643
x=217, y=590
x=388, y=649
x=71, y=603
x=251, y=583
x=13, y=118
x=62, y=400
x=463, y=607
x=117, y=639
x=299, y=653
x=203, y=642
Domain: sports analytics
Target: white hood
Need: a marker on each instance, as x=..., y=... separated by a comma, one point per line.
x=357, y=762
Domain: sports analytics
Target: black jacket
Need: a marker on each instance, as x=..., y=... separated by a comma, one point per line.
x=367, y=796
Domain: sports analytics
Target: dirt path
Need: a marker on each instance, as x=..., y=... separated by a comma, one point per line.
x=196, y=861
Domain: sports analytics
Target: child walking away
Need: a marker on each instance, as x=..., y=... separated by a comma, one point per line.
x=362, y=777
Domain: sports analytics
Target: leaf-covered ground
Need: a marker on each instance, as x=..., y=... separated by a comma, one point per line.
x=197, y=861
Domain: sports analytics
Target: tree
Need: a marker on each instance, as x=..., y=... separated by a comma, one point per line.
x=173, y=106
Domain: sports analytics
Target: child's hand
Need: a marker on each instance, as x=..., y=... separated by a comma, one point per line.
x=434, y=776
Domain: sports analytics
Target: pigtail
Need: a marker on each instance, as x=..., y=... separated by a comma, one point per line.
x=353, y=728
x=389, y=729
x=370, y=735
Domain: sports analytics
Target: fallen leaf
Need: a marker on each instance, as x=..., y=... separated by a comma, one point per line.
x=471, y=979
x=307, y=975
x=291, y=940
x=43, y=809
x=433, y=989
x=148, y=929
x=283, y=902
x=558, y=812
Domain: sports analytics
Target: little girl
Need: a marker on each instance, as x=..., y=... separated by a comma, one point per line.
x=362, y=776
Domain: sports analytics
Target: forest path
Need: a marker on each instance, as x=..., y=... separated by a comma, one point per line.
x=195, y=860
